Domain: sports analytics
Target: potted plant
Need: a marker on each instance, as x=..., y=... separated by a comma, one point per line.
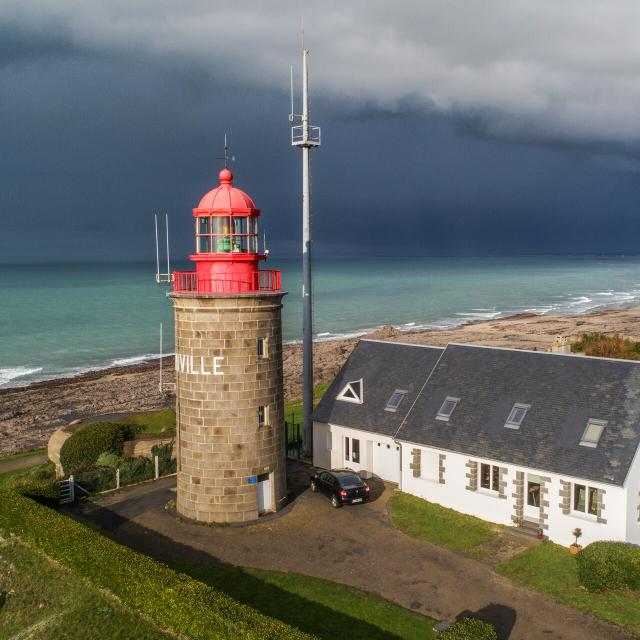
x=540, y=534
x=575, y=547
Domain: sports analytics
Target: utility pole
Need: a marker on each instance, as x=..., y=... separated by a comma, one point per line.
x=306, y=137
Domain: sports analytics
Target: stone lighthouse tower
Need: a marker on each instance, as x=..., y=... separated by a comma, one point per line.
x=228, y=351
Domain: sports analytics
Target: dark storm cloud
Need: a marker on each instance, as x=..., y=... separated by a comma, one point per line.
x=446, y=129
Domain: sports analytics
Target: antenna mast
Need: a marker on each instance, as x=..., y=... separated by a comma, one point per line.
x=306, y=137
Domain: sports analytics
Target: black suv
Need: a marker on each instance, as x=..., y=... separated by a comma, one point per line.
x=341, y=487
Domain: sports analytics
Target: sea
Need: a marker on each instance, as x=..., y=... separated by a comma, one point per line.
x=60, y=320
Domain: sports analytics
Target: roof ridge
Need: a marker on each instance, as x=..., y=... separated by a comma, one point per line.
x=541, y=353
x=404, y=344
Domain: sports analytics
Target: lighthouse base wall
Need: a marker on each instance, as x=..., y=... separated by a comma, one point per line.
x=229, y=406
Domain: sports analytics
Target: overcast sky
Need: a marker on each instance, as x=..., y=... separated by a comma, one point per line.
x=448, y=127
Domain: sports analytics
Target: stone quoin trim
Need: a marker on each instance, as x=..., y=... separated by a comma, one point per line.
x=441, y=468
x=472, y=476
x=518, y=498
x=544, y=502
x=565, y=497
x=416, y=462
x=600, y=502
x=502, y=483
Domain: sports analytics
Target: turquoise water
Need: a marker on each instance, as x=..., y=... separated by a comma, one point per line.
x=58, y=320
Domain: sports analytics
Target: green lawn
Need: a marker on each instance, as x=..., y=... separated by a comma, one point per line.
x=24, y=454
x=445, y=527
x=325, y=609
x=12, y=479
x=551, y=569
x=154, y=422
x=46, y=602
x=293, y=410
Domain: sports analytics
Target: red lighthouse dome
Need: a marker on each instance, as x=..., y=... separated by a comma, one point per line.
x=227, y=254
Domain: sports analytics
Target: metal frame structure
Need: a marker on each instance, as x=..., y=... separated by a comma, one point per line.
x=306, y=137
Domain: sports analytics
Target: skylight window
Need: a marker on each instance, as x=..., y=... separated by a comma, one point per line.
x=518, y=412
x=447, y=408
x=395, y=400
x=352, y=392
x=592, y=433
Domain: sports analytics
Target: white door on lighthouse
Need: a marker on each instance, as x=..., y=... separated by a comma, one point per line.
x=264, y=493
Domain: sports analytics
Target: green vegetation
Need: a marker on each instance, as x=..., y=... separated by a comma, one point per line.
x=609, y=565
x=469, y=629
x=153, y=422
x=172, y=600
x=325, y=609
x=47, y=602
x=23, y=454
x=445, y=527
x=553, y=570
x=81, y=451
x=604, y=346
x=19, y=478
x=293, y=410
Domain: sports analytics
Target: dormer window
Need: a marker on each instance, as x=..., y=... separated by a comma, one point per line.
x=518, y=412
x=447, y=408
x=395, y=400
x=352, y=392
x=592, y=433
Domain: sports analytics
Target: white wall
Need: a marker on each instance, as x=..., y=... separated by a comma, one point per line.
x=385, y=461
x=488, y=506
x=632, y=486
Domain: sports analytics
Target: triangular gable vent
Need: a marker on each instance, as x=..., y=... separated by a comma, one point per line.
x=353, y=392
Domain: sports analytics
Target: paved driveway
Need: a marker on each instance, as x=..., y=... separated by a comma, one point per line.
x=354, y=545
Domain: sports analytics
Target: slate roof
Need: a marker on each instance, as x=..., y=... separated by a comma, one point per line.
x=563, y=392
x=384, y=367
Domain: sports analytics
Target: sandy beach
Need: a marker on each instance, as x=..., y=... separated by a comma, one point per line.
x=28, y=415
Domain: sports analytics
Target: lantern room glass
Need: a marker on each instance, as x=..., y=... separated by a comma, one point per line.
x=227, y=234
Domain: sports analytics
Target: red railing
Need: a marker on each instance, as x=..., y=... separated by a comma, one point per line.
x=191, y=282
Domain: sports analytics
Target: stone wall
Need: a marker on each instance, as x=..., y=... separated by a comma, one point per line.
x=221, y=446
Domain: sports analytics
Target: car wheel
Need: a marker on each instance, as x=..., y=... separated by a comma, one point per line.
x=313, y=486
x=334, y=502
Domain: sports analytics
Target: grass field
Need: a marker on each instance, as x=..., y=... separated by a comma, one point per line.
x=444, y=527
x=154, y=422
x=44, y=601
x=24, y=454
x=11, y=479
x=325, y=609
x=551, y=569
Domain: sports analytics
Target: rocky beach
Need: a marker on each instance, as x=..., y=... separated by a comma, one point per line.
x=28, y=415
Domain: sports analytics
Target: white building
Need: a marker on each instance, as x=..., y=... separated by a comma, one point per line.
x=532, y=439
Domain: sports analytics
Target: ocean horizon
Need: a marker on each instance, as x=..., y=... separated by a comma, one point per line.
x=62, y=319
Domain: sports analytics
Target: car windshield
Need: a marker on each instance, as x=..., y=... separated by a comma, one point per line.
x=350, y=480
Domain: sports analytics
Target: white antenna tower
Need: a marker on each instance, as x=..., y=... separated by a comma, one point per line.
x=163, y=278
x=164, y=386
x=306, y=137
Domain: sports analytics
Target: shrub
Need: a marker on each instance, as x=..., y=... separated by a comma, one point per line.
x=82, y=450
x=604, y=346
x=173, y=600
x=469, y=629
x=134, y=470
x=609, y=565
x=109, y=460
x=166, y=463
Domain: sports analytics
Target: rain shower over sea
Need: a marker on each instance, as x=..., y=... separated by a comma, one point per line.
x=65, y=319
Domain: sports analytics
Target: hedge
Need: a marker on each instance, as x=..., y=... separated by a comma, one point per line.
x=609, y=565
x=469, y=629
x=173, y=600
x=82, y=450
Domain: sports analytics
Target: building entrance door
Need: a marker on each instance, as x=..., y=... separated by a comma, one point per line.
x=532, y=498
x=265, y=502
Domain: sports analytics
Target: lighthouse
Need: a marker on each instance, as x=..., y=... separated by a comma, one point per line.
x=228, y=360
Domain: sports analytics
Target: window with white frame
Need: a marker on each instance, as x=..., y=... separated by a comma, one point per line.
x=585, y=499
x=395, y=400
x=592, y=432
x=447, y=408
x=352, y=392
x=516, y=416
x=262, y=348
x=263, y=415
x=490, y=477
x=351, y=449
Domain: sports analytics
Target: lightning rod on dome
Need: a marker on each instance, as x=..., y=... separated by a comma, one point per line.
x=306, y=137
